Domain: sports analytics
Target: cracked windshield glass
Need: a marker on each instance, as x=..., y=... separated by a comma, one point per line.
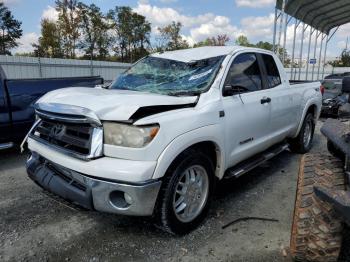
x=169, y=77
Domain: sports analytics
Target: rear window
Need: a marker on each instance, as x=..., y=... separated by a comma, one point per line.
x=273, y=75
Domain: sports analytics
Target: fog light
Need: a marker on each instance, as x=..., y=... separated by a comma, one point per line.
x=128, y=198
x=119, y=199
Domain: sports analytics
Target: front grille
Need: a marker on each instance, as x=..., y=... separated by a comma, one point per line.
x=68, y=136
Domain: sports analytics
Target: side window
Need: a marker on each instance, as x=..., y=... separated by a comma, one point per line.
x=245, y=73
x=272, y=73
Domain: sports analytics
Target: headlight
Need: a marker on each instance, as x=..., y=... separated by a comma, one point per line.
x=129, y=135
x=327, y=101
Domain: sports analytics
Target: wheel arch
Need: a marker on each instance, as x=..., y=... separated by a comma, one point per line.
x=201, y=139
x=310, y=108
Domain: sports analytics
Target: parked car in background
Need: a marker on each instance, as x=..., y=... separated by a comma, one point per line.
x=17, y=97
x=333, y=97
x=165, y=131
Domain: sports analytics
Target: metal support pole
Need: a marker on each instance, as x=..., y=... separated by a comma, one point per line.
x=297, y=23
x=275, y=31
x=91, y=66
x=301, y=50
x=325, y=51
x=308, y=53
x=324, y=56
x=285, y=38
x=40, y=68
x=281, y=26
x=315, y=50
x=320, y=57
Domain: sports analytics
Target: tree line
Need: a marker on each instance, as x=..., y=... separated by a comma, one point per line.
x=343, y=61
x=85, y=32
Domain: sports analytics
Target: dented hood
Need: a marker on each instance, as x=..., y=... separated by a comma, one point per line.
x=112, y=105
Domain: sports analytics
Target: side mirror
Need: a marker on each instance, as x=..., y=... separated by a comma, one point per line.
x=230, y=90
x=346, y=85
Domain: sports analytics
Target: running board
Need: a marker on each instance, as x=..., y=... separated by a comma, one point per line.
x=6, y=146
x=251, y=163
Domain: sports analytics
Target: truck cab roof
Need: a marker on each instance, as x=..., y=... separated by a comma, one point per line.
x=200, y=53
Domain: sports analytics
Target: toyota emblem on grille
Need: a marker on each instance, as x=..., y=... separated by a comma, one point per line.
x=56, y=131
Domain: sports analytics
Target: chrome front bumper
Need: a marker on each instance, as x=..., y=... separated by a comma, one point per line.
x=91, y=193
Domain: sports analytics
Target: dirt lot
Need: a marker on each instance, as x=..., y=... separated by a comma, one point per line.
x=35, y=227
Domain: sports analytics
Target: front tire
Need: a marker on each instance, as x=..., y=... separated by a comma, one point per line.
x=184, y=198
x=303, y=142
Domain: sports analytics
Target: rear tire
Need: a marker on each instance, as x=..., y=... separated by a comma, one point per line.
x=317, y=229
x=183, y=202
x=303, y=142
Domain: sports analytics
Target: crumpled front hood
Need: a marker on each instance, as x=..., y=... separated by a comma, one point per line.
x=112, y=105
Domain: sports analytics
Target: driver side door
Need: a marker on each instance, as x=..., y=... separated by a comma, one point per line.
x=247, y=110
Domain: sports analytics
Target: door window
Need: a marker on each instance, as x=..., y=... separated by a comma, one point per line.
x=272, y=73
x=245, y=73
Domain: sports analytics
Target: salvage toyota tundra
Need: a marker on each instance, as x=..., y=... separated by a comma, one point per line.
x=155, y=141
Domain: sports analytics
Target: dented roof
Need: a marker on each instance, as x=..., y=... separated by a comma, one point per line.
x=200, y=53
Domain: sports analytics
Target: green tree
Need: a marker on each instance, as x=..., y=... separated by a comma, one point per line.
x=49, y=44
x=264, y=45
x=95, y=37
x=26, y=54
x=171, y=38
x=242, y=40
x=10, y=30
x=132, y=33
x=69, y=20
x=344, y=60
x=219, y=40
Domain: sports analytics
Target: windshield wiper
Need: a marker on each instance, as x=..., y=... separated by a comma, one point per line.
x=185, y=93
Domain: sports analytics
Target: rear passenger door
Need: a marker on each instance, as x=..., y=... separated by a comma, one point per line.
x=282, y=103
x=247, y=113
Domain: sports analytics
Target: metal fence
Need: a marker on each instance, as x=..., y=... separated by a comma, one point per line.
x=294, y=73
x=18, y=67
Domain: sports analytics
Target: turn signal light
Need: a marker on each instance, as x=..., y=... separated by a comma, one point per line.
x=322, y=89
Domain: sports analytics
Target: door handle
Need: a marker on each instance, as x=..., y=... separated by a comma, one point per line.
x=265, y=100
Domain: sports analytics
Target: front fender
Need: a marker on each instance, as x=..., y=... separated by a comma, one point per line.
x=209, y=133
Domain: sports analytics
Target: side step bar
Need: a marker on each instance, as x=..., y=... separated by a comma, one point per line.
x=6, y=146
x=251, y=163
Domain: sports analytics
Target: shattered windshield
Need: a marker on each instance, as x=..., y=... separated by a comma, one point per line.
x=169, y=77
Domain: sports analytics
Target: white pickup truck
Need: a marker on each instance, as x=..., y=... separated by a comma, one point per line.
x=155, y=141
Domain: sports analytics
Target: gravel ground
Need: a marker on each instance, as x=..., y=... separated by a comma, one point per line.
x=36, y=227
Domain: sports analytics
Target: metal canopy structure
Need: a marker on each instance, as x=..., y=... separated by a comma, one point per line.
x=320, y=18
x=322, y=15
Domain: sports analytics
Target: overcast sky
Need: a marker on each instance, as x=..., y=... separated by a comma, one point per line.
x=201, y=18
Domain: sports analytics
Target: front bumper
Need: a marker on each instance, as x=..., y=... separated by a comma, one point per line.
x=92, y=193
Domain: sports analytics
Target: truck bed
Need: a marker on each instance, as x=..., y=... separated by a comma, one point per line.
x=296, y=82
